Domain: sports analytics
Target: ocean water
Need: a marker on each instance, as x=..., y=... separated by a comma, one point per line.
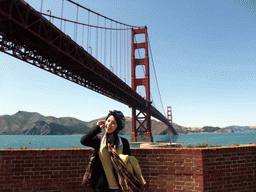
x=71, y=141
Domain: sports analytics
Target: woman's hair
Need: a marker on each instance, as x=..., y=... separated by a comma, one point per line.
x=119, y=117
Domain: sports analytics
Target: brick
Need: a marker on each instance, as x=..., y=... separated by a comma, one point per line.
x=188, y=164
x=199, y=189
x=18, y=178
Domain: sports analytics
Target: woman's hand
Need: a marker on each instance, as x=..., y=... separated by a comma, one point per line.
x=101, y=123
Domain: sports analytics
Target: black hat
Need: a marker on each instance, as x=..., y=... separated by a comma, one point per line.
x=120, y=116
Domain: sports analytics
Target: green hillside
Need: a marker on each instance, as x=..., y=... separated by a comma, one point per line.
x=28, y=123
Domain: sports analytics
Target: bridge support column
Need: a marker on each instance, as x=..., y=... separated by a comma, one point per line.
x=169, y=117
x=141, y=120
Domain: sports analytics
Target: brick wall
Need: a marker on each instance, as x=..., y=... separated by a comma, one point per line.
x=165, y=170
x=230, y=169
x=171, y=169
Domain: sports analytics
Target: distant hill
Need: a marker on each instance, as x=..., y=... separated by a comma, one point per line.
x=32, y=123
x=28, y=123
x=236, y=128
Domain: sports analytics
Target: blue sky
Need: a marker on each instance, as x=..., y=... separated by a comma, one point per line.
x=204, y=55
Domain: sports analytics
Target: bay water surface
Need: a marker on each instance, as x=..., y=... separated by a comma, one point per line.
x=71, y=141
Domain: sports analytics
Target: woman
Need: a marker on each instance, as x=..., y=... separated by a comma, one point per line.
x=106, y=177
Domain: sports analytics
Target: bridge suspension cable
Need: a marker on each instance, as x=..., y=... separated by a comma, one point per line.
x=89, y=11
x=131, y=26
x=153, y=65
x=108, y=40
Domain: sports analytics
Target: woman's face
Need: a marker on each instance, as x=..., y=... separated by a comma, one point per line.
x=110, y=124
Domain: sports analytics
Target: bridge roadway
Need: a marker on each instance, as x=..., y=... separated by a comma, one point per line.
x=27, y=35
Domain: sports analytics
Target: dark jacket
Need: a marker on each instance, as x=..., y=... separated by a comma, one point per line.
x=91, y=139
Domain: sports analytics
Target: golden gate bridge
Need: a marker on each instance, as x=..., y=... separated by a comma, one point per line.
x=89, y=49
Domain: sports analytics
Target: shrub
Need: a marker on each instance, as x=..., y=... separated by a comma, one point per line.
x=201, y=145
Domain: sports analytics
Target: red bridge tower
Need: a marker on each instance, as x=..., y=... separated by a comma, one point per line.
x=141, y=120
